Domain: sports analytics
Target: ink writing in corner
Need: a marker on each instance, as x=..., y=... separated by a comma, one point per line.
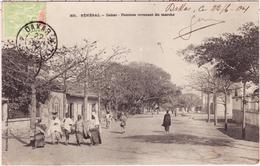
x=201, y=23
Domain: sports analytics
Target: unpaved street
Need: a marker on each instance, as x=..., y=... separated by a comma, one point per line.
x=190, y=142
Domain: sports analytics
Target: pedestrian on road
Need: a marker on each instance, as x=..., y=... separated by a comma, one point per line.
x=108, y=119
x=167, y=122
x=79, y=130
x=55, y=128
x=67, y=126
x=123, y=119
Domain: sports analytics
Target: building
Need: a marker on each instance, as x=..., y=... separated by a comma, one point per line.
x=74, y=100
x=251, y=106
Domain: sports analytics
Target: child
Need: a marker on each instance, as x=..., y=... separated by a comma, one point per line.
x=123, y=119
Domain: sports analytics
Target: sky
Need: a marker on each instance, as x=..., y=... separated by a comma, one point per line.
x=150, y=39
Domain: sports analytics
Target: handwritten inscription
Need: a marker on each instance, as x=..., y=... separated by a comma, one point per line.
x=200, y=23
x=217, y=8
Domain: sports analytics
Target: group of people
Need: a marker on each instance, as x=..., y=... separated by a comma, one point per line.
x=89, y=129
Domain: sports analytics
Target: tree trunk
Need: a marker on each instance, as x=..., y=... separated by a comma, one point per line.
x=33, y=113
x=225, y=107
x=85, y=103
x=99, y=110
x=64, y=104
x=64, y=109
x=208, y=107
x=215, y=108
x=243, y=112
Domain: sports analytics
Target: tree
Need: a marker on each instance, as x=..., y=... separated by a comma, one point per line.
x=17, y=78
x=189, y=100
x=27, y=74
x=236, y=56
x=135, y=86
x=208, y=82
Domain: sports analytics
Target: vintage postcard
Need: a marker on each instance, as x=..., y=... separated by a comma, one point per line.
x=133, y=83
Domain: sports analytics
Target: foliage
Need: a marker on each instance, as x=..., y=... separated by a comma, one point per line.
x=189, y=100
x=234, y=55
x=135, y=86
x=17, y=74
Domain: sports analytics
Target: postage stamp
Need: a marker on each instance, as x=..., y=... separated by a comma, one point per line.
x=15, y=15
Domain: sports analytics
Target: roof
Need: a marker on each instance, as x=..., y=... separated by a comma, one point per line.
x=80, y=93
x=74, y=89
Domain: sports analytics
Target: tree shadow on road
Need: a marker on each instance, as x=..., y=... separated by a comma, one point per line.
x=116, y=132
x=159, y=131
x=181, y=139
x=252, y=133
x=212, y=120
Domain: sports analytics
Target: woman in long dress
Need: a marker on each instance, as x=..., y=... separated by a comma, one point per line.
x=94, y=131
x=40, y=134
x=55, y=129
x=167, y=122
x=79, y=130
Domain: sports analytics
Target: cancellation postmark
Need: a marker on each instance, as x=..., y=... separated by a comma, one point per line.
x=37, y=39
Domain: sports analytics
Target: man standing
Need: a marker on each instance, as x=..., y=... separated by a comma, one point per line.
x=167, y=122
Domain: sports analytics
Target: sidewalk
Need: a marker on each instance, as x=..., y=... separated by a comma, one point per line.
x=191, y=141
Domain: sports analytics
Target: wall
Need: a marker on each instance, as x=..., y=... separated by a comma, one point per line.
x=54, y=103
x=252, y=118
x=77, y=103
x=220, y=106
x=18, y=127
x=252, y=111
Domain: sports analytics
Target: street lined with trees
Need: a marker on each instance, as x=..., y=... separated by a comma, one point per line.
x=235, y=58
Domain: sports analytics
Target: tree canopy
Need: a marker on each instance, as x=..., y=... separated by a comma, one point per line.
x=234, y=55
x=134, y=86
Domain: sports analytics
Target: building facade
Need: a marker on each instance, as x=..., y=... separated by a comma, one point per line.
x=74, y=105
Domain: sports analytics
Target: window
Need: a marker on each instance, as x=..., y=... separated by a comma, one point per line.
x=56, y=105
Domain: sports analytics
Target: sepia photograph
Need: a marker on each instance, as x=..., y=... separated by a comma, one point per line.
x=129, y=83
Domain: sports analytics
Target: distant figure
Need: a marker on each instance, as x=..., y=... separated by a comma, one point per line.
x=79, y=130
x=55, y=128
x=108, y=119
x=67, y=127
x=123, y=119
x=167, y=122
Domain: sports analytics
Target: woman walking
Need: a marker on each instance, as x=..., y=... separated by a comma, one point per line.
x=108, y=119
x=123, y=119
x=167, y=122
